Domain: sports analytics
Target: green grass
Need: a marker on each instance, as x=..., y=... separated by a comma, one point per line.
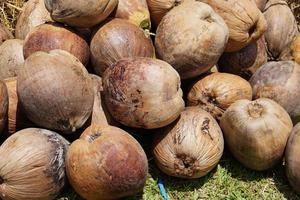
x=230, y=180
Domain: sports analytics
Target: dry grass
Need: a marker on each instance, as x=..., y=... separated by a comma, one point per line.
x=9, y=12
x=295, y=6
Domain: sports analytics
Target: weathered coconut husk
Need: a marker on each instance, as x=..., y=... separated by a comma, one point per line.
x=148, y=96
x=245, y=21
x=17, y=119
x=47, y=37
x=282, y=29
x=81, y=13
x=116, y=40
x=55, y=91
x=192, y=47
x=295, y=47
x=3, y=105
x=100, y=107
x=246, y=61
x=158, y=9
x=33, y=166
x=191, y=146
x=292, y=159
x=4, y=34
x=217, y=91
x=256, y=132
x=11, y=58
x=115, y=154
x=34, y=13
x=261, y=4
x=279, y=81
x=136, y=11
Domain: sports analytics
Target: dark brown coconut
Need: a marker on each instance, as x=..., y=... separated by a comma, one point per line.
x=256, y=132
x=190, y=147
x=47, y=37
x=282, y=29
x=136, y=11
x=33, y=166
x=55, y=91
x=81, y=13
x=4, y=34
x=292, y=158
x=192, y=47
x=105, y=162
x=34, y=13
x=280, y=82
x=245, y=21
x=3, y=105
x=246, y=61
x=17, y=119
x=11, y=58
x=116, y=40
x=143, y=92
x=216, y=92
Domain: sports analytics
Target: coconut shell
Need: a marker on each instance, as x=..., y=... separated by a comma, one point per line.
x=292, y=159
x=280, y=82
x=106, y=163
x=282, y=29
x=33, y=167
x=47, y=37
x=256, y=132
x=136, y=11
x=246, y=61
x=192, y=47
x=143, y=93
x=116, y=40
x=11, y=58
x=55, y=91
x=3, y=105
x=81, y=13
x=216, y=92
x=245, y=21
x=17, y=119
x=296, y=49
x=190, y=147
x=4, y=34
x=34, y=13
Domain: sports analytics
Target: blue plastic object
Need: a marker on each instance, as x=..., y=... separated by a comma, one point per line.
x=162, y=189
